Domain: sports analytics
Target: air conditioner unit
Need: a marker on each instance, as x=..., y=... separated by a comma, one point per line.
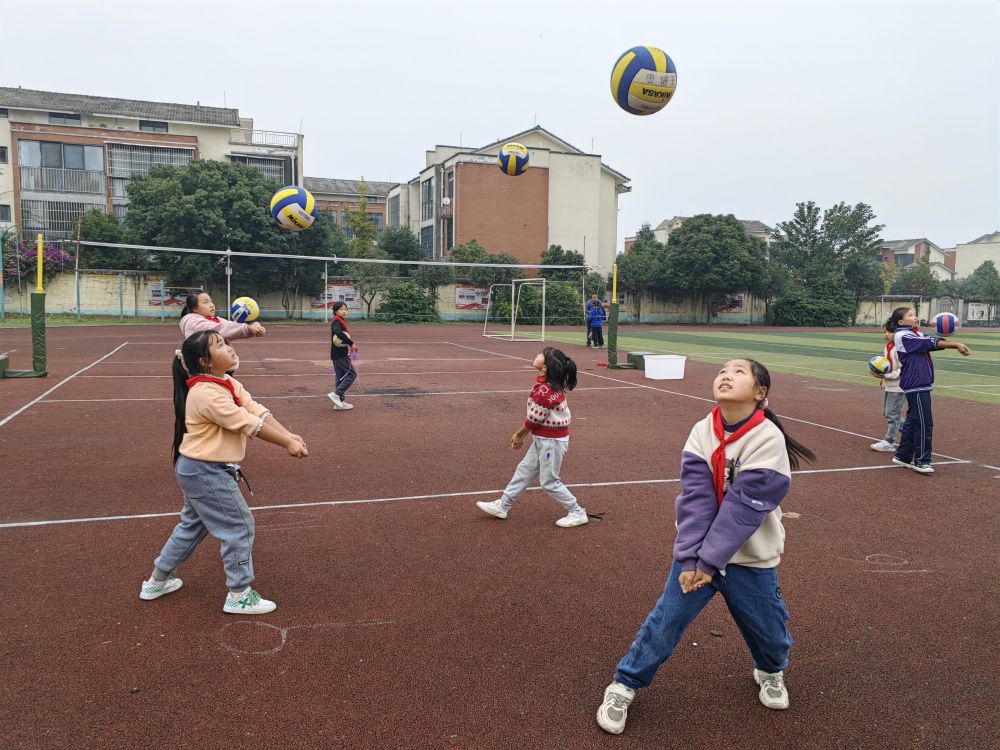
x=446, y=201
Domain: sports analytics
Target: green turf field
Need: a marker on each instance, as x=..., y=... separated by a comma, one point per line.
x=836, y=355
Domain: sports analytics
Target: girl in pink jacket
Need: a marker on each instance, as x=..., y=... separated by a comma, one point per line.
x=199, y=315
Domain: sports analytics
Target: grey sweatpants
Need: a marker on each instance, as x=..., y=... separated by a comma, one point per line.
x=892, y=410
x=213, y=504
x=543, y=459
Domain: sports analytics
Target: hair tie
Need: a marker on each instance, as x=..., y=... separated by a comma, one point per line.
x=763, y=404
x=178, y=354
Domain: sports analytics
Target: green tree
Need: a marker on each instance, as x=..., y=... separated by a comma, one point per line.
x=431, y=277
x=215, y=205
x=713, y=256
x=640, y=270
x=473, y=252
x=407, y=303
x=983, y=285
x=97, y=226
x=920, y=281
x=556, y=256
x=369, y=278
x=402, y=244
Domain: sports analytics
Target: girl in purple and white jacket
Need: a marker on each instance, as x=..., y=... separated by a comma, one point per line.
x=735, y=470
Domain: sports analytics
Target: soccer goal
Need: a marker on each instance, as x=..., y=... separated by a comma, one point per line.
x=516, y=311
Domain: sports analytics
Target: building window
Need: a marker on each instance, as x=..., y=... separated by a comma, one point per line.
x=427, y=199
x=278, y=169
x=152, y=126
x=451, y=234
x=120, y=211
x=63, y=118
x=3, y=154
x=345, y=224
x=427, y=241
x=126, y=161
x=54, y=219
x=379, y=221
x=60, y=155
x=4, y=213
x=451, y=185
x=394, y=212
x=3, y=113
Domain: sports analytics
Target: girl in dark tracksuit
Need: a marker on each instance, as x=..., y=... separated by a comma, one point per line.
x=916, y=380
x=341, y=345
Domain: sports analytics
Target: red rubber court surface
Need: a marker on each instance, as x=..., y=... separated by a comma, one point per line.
x=408, y=619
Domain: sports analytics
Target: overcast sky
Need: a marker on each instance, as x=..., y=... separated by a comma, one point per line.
x=894, y=104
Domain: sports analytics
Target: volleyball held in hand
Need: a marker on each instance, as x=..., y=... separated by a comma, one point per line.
x=643, y=80
x=945, y=323
x=879, y=366
x=243, y=310
x=293, y=208
x=513, y=159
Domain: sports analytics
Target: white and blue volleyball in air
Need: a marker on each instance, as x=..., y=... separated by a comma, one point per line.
x=293, y=208
x=643, y=80
x=244, y=310
x=513, y=159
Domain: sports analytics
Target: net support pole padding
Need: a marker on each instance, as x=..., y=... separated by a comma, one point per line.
x=38, y=333
x=613, y=341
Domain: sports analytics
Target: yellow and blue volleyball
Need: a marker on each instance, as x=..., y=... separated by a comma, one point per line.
x=643, y=80
x=513, y=159
x=243, y=310
x=293, y=208
x=879, y=366
x=945, y=323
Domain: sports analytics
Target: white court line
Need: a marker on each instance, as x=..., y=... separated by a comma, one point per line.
x=322, y=374
x=707, y=400
x=353, y=395
x=9, y=417
x=407, y=498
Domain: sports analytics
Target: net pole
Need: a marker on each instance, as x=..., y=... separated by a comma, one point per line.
x=229, y=280
x=326, y=290
x=513, y=309
x=38, y=317
x=79, y=227
x=163, y=292
x=543, y=309
x=613, y=321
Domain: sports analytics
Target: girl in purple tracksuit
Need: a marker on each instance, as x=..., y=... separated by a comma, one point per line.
x=916, y=380
x=735, y=470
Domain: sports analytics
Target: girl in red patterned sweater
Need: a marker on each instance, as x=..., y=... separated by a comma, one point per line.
x=548, y=422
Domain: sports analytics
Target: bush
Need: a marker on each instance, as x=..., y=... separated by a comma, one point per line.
x=798, y=307
x=408, y=303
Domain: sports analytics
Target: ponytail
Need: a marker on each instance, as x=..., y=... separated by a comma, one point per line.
x=190, y=303
x=794, y=448
x=892, y=324
x=560, y=370
x=187, y=362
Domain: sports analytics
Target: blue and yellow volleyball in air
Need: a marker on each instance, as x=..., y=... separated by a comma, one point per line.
x=643, y=80
x=293, y=208
x=513, y=159
x=244, y=310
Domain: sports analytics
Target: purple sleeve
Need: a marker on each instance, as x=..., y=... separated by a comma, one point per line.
x=754, y=494
x=919, y=344
x=695, y=507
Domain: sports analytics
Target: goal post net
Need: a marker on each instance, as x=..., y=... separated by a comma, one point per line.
x=516, y=311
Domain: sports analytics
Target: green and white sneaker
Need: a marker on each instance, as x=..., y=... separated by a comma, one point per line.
x=155, y=589
x=248, y=602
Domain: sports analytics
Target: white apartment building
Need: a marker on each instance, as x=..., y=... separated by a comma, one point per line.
x=971, y=255
x=63, y=154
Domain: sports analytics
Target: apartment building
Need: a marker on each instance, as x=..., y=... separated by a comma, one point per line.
x=971, y=255
x=906, y=253
x=63, y=154
x=566, y=197
x=338, y=197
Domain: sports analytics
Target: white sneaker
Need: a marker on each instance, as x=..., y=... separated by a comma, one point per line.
x=338, y=402
x=773, y=692
x=494, y=508
x=922, y=468
x=155, y=589
x=883, y=446
x=612, y=714
x=248, y=602
x=573, y=519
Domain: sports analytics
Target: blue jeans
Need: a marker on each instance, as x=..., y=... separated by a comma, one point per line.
x=754, y=601
x=918, y=429
x=213, y=504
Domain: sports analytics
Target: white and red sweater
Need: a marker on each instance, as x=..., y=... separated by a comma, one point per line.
x=548, y=411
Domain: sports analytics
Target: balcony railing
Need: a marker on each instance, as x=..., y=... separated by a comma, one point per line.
x=62, y=180
x=263, y=138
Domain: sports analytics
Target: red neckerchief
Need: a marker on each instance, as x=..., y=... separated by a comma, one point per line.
x=227, y=384
x=212, y=318
x=343, y=322
x=719, y=454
